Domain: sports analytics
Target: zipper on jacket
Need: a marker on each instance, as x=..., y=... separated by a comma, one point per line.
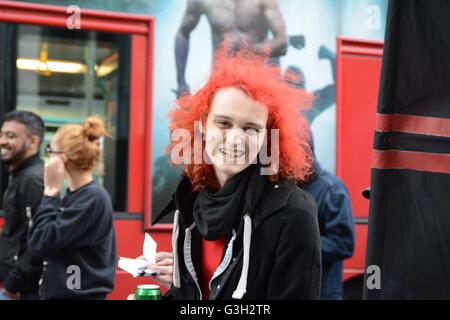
x=29, y=217
x=226, y=260
x=188, y=257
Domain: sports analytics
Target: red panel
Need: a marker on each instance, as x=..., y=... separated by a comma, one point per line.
x=148, y=134
x=56, y=16
x=360, y=47
x=359, y=67
x=358, y=74
x=130, y=238
x=163, y=239
x=137, y=124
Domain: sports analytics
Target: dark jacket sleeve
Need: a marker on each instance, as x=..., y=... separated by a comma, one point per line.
x=57, y=230
x=297, y=269
x=335, y=214
x=29, y=266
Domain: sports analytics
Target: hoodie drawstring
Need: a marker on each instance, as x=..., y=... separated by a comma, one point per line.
x=176, y=266
x=188, y=257
x=241, y=288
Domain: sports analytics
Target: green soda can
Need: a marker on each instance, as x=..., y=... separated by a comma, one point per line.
x=148, y=292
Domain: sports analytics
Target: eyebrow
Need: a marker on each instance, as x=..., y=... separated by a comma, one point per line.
x=7, y=132
x=231, y=119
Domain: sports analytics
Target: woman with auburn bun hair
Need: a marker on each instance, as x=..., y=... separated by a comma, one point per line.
x=75, y=234
x=242, y=227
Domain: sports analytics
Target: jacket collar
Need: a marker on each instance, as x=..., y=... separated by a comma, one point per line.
x=182, y=197
x=28, y=162
x=275, y=197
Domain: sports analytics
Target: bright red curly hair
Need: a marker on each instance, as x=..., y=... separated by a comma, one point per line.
x=263, y=82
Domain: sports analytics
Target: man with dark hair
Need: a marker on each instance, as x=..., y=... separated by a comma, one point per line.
x=21, y=135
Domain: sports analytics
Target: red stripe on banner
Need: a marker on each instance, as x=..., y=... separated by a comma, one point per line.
x=418, y=161
x=413, y=124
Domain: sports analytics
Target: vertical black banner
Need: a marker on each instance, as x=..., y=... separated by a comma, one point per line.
x=409, y=222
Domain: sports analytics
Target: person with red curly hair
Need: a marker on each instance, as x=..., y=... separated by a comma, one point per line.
x=242, y=227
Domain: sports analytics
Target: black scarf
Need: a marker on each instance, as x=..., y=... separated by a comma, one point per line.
x=215, y=214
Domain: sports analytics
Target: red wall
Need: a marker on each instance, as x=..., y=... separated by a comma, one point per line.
x=358, y=76
x=130, y=238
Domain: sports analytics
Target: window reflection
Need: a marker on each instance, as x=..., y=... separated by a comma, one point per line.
x=65, y=76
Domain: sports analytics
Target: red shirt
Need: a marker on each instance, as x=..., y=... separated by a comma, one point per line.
x=211, y=256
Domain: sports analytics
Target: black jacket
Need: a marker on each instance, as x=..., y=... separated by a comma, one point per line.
x=279, y=223
x=20, y=270
x=76, y=237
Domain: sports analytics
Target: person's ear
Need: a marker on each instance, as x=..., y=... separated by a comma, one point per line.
x=35, y=141
x=64, y=158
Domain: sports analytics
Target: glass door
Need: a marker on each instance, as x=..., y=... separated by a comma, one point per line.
x=102, y=67
x=65, y=77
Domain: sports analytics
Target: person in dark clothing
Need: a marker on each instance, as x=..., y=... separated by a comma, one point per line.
x=21, y=135
x=337, y=238
x=242, y=228
x=75, y=235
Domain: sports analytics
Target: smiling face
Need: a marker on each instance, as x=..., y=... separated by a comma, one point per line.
x=15, y=142
x=235, y=131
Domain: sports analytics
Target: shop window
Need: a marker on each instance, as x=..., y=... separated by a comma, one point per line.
x=65, y=76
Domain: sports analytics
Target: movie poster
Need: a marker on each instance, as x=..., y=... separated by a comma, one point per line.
x=311, y=29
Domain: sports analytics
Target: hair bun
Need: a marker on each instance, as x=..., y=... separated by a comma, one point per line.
x=94, y=128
